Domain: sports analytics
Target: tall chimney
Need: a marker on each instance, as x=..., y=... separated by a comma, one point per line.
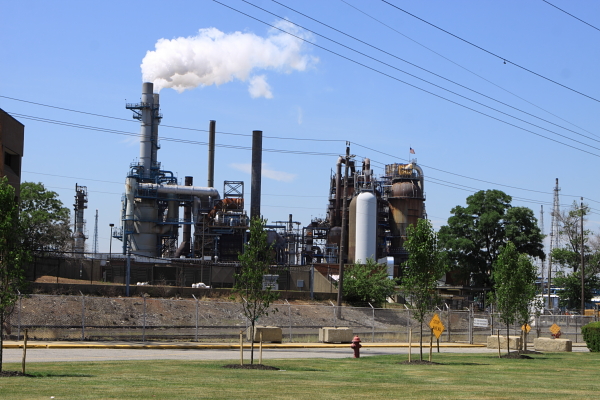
x=146, y=127
x=211, y=154
x=256, y=174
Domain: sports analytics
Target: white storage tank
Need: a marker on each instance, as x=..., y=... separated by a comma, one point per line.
x=366, y=227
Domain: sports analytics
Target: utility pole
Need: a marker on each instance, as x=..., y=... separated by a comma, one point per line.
x=343, y=235
x=582, y=262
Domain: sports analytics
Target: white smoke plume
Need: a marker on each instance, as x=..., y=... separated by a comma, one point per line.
x=213, y=58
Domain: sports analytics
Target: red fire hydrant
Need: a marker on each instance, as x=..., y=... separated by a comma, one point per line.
x=356, y=346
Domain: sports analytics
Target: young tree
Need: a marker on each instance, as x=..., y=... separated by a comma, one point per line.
x=12, y=255
x=514, y=277
x=367, y=283
x=45, y=221
x=476, y=233
x=255, y=262
x=425, y=266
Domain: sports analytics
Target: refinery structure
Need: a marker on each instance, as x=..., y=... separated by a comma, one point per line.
x=161, y=219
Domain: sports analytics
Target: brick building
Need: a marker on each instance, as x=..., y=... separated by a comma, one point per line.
x=12, y=134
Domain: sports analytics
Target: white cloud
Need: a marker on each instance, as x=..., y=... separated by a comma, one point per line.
x=266, y=172
x=213, y=57
x=259, y=87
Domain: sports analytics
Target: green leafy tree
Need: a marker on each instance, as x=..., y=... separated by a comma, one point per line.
x=425, y=266
x=44, y=219
x=570, y=287
x=367, y=283
x=514, y=277
x=12, y=255
x=476, y=233
x=569, y=254
x=255, y=262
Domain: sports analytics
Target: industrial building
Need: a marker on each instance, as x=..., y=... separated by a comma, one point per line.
x=374, y=211
x=12, y=134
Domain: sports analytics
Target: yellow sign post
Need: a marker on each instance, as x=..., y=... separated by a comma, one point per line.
x=437, y=326
x=526, y=328
x=555, y=330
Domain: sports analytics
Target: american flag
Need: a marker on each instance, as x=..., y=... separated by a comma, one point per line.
x=412, y=151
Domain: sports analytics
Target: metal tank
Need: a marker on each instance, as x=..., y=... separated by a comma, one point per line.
x=406, y=202
x=366, y=227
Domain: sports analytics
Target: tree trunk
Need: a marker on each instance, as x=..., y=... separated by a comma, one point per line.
x=421, y=343
x=508, y=339
x=252, y=342
x=1, y=336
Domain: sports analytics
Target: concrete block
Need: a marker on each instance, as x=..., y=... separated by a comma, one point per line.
x=514, y=342
x=335, y=335
x=550, y=344
x=269, y=334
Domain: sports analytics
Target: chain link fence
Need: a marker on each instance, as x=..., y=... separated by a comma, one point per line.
x=48, y=317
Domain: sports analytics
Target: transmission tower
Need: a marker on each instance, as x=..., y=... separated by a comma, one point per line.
x=542, y=232
x=554, y=233
x=96, y=235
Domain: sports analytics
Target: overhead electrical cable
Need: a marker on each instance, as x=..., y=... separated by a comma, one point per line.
x=80, y=126
x=423, y=90
x=170, y=126
x=460, y=175
x=493, y=54
x=578, y=19
x=466, y=69
x=186, y=141
x=419, y=67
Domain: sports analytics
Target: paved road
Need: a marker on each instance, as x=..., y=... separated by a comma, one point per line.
x=130, y=352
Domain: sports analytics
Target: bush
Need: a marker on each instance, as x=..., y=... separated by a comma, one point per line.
x=591, y=336
x=367, y=283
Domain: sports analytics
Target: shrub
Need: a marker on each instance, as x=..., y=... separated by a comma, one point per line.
x=591, y=336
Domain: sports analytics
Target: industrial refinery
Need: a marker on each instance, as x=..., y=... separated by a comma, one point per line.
x=163, y=220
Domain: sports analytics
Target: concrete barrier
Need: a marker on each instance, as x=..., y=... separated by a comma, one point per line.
x=335, y=335
x=514, y=342
x=269, y=334
x=550, y=344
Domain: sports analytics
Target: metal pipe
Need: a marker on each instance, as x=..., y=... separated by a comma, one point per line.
x=181, y=190
x=256, y=174
x=154, y=138
x=211, y=154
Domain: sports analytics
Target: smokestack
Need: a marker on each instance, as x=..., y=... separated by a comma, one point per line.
x=146, y=127
x=211, y=154
x=256, y=174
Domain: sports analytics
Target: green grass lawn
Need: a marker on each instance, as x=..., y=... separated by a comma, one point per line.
x=459, y=376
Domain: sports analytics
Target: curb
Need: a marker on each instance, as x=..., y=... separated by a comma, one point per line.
x=215, y=346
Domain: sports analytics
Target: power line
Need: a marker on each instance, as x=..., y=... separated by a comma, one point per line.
x=80, y=126
x=168, y=126
x=464, y=68
x=176, y=140
x=578, y=19
x=489, y=52
x=418, y=88
x=421, y=68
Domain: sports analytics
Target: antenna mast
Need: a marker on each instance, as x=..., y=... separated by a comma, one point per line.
x=542, y=232
x=553, y=234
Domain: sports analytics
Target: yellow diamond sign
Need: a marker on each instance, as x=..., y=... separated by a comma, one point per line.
x=436, y=326
x=527, y=328
x=554, y=329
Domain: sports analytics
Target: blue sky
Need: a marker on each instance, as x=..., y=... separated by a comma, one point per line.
x=87, y=56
